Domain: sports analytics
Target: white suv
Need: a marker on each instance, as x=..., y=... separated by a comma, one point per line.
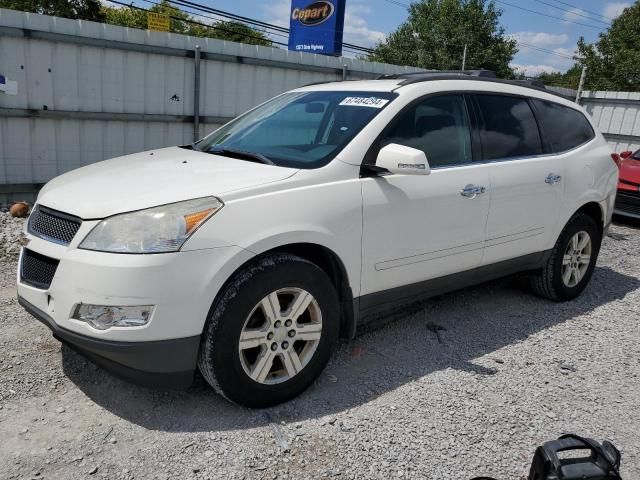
x=248, y=253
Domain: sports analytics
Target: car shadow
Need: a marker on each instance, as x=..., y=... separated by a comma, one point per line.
x=449, y=331
x=626, y=221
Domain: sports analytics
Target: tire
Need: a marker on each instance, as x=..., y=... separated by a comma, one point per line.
x=243, y=307
x=551, y=281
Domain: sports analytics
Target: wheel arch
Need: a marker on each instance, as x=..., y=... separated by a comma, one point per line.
x=332, y=265
x=328, y=261
x=595, y=211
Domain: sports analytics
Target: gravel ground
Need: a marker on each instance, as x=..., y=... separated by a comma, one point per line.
x=441, y=394
x=10, y=229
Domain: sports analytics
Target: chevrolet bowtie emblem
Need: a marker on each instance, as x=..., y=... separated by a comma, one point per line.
x=23, y=240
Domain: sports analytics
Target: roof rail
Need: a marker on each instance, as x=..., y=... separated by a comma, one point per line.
x=320, y=83
x=415, y=77
x=478, y=75
x=531, y=82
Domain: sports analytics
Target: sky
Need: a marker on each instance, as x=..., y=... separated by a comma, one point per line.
x=547, y=43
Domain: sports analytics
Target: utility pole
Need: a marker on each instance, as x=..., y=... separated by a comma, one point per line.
x=464, y=56
x=581, y=84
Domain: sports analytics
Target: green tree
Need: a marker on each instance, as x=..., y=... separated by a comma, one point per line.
x=182, y=22
x=569, y=79
x=613, y=62
x=434, y=35
x=77, y=9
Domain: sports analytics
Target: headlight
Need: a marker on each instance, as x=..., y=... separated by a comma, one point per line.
x=154, y=230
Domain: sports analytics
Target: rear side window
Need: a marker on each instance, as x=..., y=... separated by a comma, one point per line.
x=439, y=127
x=509, y=127
x=564, y=127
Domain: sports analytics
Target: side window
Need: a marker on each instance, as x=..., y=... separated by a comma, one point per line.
x=510, y=129
x=565, y=127
x=439, y=127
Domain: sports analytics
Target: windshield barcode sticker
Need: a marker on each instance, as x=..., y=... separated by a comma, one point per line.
x=372, y=102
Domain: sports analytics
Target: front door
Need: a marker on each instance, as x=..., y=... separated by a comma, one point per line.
x=419, y=227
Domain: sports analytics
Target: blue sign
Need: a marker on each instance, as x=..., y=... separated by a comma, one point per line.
x=316, y=26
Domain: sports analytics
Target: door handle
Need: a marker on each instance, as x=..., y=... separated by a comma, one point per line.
x=552, y=178
x=472, y=191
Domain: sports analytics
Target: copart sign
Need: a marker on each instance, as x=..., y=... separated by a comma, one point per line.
x=316, y=26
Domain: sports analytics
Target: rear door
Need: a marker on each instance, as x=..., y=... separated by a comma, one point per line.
x=526, y=178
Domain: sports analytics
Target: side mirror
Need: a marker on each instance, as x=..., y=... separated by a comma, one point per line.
x=403, y=160
x=626, y=154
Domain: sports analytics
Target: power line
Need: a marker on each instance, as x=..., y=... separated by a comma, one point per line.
x=584, y=10
x=535, y=47
x=405, y=5
x=246, y=35
x=547, y=15
x=223, y=19
x=399, y=4
x=253, y=21
x=201, y=15
x=576, y=11
x=225, y=14
x=348, y=47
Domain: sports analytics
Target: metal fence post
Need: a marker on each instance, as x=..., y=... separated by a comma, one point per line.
x=581, y=85
x=196, y=95
x=345, y=71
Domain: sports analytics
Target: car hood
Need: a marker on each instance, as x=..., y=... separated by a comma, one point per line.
x=152, y=178
x=630, y=170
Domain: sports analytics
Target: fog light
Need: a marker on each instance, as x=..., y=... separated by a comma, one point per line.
x=102, y=317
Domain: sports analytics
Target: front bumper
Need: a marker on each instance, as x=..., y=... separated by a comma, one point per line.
x=164, y=363
x=181, y=286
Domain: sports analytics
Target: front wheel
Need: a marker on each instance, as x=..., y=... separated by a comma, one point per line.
x=571, y=262
x=271, y=331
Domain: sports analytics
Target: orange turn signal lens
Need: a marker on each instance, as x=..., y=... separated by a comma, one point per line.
x=194, y=219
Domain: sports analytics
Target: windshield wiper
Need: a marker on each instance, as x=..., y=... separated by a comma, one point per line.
x=241, y=154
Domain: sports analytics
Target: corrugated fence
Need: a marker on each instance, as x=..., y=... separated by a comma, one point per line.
x=89, y=91
x=617, y=114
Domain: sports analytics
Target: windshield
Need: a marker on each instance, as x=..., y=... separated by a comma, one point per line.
x=636, y=156
x=299, y=129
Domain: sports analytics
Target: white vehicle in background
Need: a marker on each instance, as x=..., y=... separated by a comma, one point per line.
x=249, y=253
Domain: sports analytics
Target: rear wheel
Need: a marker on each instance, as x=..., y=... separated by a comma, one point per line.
x=572, y=261
x=270, y=332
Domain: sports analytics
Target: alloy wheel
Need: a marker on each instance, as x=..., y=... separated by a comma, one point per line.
x=576, y=259
x=280, y=336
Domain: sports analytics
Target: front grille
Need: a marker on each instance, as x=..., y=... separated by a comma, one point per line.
x=628, y=202
x=52, y=225
x=37, y=270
